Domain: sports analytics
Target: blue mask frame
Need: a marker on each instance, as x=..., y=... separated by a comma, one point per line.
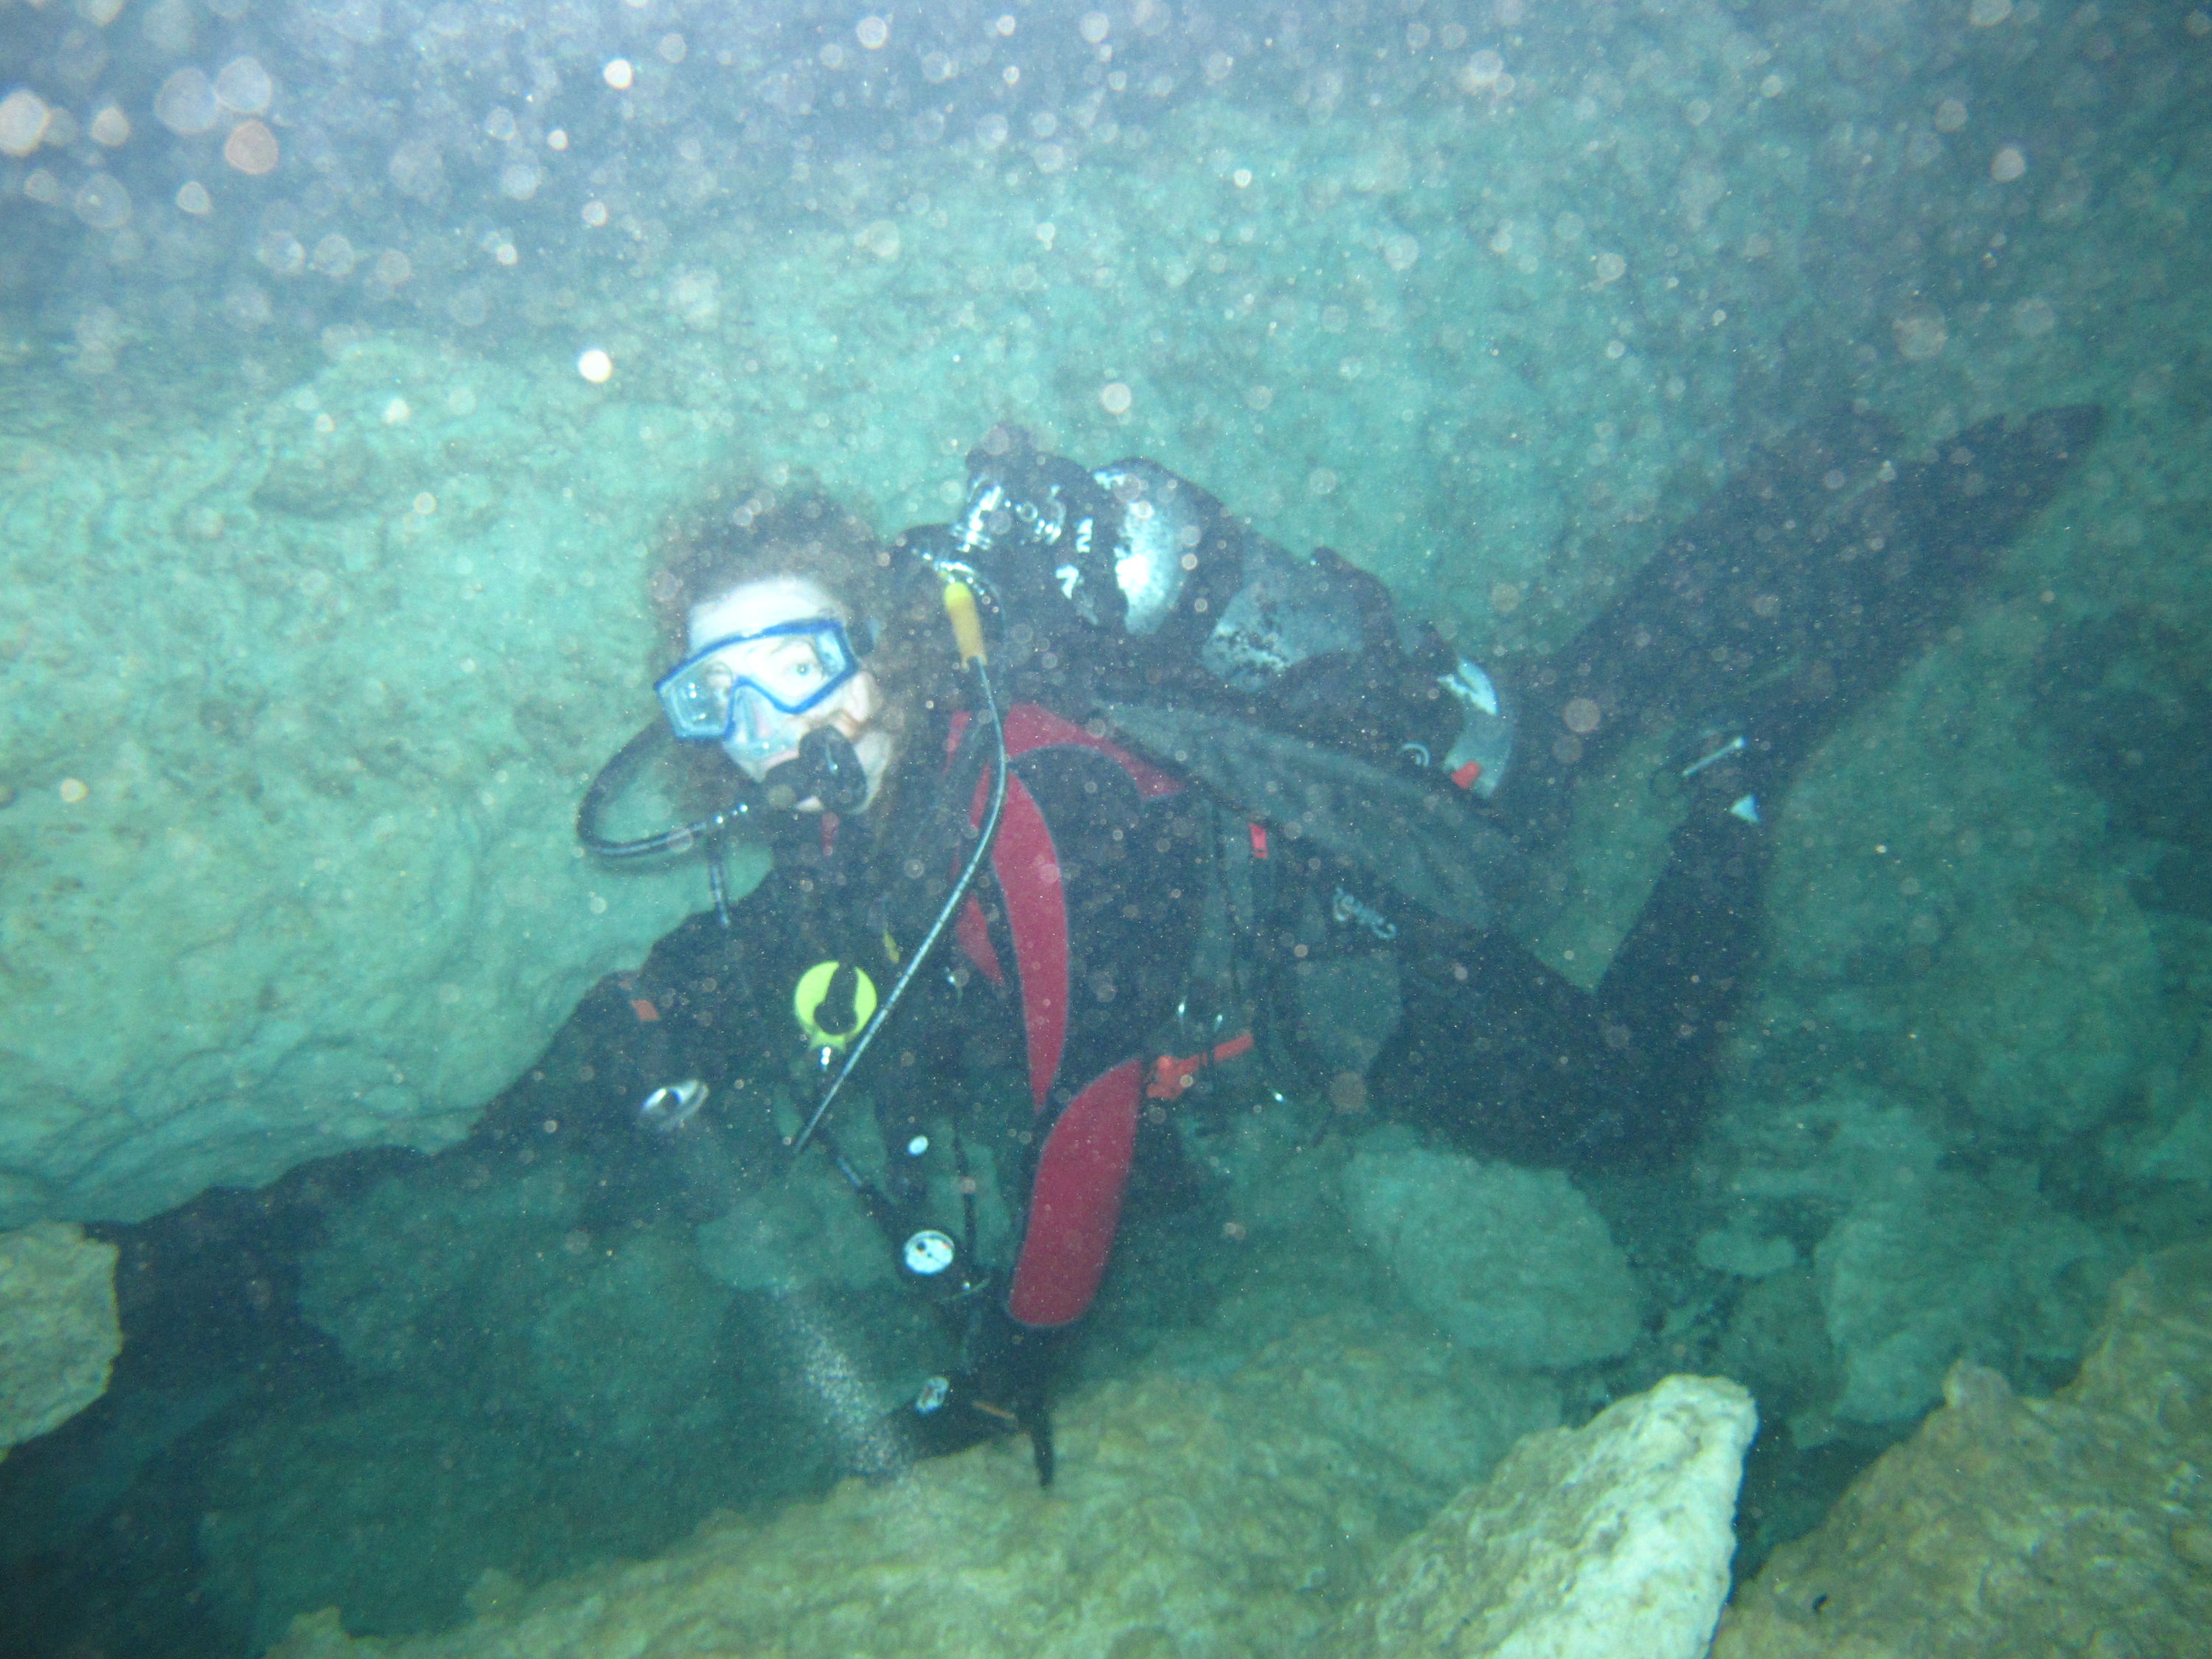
x=700, y=712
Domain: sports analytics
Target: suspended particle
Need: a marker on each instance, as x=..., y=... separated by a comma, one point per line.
x=595, y=365
x=23, y=119
x=243, y=87
x=251, y=149
x=186, y=103
x=102, y=202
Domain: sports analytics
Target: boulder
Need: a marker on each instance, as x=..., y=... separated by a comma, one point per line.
x=1611, y=1540
x=1512, y=1263
x=1929, y=1270
x=58, y=1332
x=2076, y=1524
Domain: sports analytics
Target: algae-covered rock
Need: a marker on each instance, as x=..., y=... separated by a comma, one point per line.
x=58, y=1332
x=1607, y=1540
x=1944, y=901
x=2078, y=1524
x=1936, y=1268
x=1514, y=1263
x=1192, y=1516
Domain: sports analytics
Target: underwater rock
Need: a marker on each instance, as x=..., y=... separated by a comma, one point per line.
x=499, y=1290
x=2172, y=1139
x=630, y=1348
x=1746, y=1256
x=2077, y=1524
x=1512, y=1263
x=293, y=771
x=1960, y=926
x=800, y=1230
x=1825, y=1152
x=1588, y=1543
x=1191, y=1515
x=58, y=1332
x=1926, y=1271
x=1776, y=1343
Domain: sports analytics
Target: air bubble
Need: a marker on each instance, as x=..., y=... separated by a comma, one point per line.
x=1482, y=72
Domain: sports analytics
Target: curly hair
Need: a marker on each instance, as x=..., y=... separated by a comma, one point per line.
x=807, y=533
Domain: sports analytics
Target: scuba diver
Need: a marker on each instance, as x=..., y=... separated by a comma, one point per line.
x=1020, y=772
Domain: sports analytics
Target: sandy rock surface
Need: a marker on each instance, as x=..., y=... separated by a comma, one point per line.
x=1592, y=1543
x=2077, y=1524
x=1192, y=1516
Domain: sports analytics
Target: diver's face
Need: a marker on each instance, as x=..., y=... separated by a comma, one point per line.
x=855, y=708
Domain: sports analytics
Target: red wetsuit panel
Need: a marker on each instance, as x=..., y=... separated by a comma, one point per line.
x=1075, y=1194
x=1028, y=869
x=1075, y=1203
x=1028, y=726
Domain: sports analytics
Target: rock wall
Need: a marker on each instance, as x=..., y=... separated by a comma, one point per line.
x=297, y=719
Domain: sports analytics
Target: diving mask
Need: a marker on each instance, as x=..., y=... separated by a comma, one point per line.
x=746, y=691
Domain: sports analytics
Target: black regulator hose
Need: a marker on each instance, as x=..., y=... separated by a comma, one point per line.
x=611, y=781
x=987, y=703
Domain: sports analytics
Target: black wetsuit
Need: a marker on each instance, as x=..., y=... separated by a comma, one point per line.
x=1779, y=609
x=1776, y=612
